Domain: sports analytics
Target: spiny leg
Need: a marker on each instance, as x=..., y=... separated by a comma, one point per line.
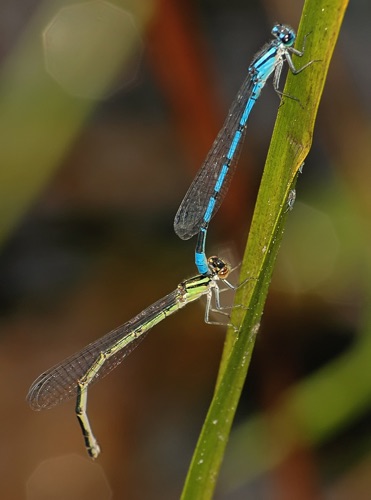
x=293, y=69
x=218, y=309
x=297, y=52
x=277, y=77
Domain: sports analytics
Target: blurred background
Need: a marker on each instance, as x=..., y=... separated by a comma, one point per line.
x=107, y=112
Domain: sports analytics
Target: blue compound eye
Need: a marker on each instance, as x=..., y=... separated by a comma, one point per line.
x=276, y=30
x=284, y=34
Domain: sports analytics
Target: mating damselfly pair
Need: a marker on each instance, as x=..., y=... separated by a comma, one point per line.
x=73, y=376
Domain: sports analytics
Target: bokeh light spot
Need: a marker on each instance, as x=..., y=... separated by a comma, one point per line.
x=92, y=49
x=68, y=476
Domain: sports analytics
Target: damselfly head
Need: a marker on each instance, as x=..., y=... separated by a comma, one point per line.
x=218, y=267
x=284, y=34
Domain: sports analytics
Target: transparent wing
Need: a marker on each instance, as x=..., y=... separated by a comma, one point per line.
x=189, y=216
x=59, y=383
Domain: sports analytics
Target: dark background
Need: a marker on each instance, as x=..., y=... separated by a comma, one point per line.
x=89, y=189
